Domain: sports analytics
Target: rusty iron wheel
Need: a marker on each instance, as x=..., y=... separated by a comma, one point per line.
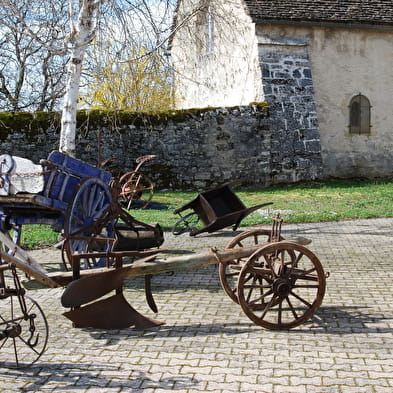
x=23, y=335
x=281, y=285
x=230, y=271
x=136, y=186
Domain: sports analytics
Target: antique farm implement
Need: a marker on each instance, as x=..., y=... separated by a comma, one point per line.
x=216, y=209
x=76, y=199
x=279, y=284
x=134, y=186
x=23, y=325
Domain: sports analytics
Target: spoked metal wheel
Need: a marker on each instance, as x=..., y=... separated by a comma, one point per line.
x=136, y=186
x=85, y=219
x=229, y=272
x=281, y=285
x=185, y=224
x=23, y=331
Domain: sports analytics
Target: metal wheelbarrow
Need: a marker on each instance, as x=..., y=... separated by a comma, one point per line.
x=217, y=209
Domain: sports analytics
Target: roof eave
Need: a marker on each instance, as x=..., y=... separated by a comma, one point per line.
x=316, y=23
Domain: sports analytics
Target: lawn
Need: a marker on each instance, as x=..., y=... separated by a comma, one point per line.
x=331, y=200
x=312, y=202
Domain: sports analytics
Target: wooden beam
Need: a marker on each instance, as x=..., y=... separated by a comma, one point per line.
x=159, y=265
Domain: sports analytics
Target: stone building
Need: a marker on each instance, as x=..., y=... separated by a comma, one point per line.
x=324, y=67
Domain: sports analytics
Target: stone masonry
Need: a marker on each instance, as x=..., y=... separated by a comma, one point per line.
x=195, y=149
x=288, y=89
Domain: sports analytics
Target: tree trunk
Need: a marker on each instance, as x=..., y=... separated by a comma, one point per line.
x=68, y=117
x=82, y=33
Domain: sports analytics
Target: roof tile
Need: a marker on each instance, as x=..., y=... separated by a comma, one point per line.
x=378, y=12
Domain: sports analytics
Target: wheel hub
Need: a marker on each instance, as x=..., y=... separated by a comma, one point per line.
x=13, y=330
x=282, y=287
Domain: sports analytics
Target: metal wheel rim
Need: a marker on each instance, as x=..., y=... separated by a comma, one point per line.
x=133, y=186
x=185, y=224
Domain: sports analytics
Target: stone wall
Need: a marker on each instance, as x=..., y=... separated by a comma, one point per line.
x=195, y=150
x=344, y=62
x=288, y=89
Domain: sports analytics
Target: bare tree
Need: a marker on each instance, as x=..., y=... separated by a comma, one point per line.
x=71, y=42
x=32, y=63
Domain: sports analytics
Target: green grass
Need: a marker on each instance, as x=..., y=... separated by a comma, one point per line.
x=38, y=236
x=313, y=202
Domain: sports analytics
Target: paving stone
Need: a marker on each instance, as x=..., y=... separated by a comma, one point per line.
x=208, y=344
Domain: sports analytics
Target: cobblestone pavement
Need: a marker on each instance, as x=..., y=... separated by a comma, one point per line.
x=209, y=345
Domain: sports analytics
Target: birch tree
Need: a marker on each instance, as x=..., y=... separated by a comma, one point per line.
x=83, y=23
x=127, y=21
x=86, y=18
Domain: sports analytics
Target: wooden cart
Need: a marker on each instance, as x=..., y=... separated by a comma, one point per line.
x=75, y=198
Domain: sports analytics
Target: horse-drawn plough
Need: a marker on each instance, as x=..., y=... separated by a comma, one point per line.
x=279, y=284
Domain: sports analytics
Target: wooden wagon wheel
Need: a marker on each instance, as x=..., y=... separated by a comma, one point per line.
x=281, y=285
x=89, y=204
x=230, y=271
x=136, y=186
x=23, y=335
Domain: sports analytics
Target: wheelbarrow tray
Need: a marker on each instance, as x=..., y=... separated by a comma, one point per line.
x=219, y=208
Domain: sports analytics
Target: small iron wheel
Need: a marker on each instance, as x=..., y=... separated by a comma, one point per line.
x=230, y=271
x=185, y=224
x=23, y=336
x=136, y=186
x=281, y=285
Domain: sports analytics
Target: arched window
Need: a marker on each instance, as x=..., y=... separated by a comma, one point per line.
x=359, y=115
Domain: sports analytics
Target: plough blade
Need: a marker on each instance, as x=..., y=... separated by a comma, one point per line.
x=110, y=313
x=87, y=289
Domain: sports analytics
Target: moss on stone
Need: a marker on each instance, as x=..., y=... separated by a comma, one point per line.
x=30, y=123
x=33, y=123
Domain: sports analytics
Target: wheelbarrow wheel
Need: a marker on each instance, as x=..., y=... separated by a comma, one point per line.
x=89, y=204
x=229, y=272
x=281, y=285
x=23, y=336
x=136, y=186
x=185, y=224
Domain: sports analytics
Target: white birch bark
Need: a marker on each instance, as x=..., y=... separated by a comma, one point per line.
x=82, y=33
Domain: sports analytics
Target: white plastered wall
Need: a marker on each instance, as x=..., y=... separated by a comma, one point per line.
x=228, y=73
